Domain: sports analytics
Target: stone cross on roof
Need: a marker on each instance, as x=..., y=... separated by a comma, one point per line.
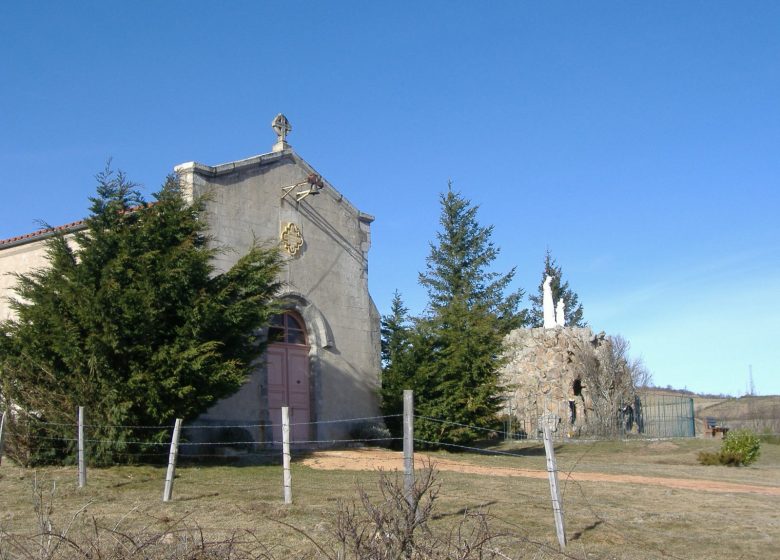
x=282, y=127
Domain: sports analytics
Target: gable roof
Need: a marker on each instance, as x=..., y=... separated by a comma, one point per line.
x=208, y=171
x=212, y=171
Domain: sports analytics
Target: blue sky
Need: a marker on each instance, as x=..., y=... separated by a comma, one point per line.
x=638, y=141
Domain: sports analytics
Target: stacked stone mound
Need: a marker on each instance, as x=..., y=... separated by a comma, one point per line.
x=543, y=375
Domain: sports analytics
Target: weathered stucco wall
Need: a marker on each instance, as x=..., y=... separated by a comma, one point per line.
x=22, y=258
x=18, y=258
x=326, y=282
x=543, y=375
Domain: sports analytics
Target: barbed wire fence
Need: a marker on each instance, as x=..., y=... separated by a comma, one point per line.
x=158, y=449
x=234, y=441
x=274, y=451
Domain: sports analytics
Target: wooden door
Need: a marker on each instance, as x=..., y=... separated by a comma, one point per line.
x=288, y=377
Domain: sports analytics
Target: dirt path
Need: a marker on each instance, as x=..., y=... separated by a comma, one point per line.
x=370, y=459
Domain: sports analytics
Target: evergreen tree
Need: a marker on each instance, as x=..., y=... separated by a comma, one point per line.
x=398, y=361
x=130, y=320
x=458, y=344
x=560, y=290
x=395, y=331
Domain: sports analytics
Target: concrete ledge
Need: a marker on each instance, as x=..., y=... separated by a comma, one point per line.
x=227, y=168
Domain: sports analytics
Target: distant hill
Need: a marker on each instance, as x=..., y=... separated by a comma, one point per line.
x=685, y=392
x=761, y=414
x=758, y=413
x=742, y=408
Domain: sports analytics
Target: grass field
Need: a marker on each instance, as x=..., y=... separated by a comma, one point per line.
x=603, y=519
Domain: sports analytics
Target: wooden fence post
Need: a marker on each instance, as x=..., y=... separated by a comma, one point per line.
x=2, y=436
x=174, y=452
x=409, y=445
x=82, y=463
x=552, y=474
x=287, y=480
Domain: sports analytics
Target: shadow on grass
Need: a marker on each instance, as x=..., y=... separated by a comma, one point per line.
x=528, y=449
x=492, y=447
x=536, y=451
x=587, y=529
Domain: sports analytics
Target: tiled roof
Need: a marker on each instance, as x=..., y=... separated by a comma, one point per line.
x=67, y=228
x=41, y=233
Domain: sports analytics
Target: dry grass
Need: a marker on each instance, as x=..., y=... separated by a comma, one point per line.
x=604, y=520
x=669, y=458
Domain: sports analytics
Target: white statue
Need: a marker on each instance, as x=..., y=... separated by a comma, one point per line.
x=560, y=317
x=547, y=304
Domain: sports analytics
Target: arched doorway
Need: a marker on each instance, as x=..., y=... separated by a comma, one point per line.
x=288, y=375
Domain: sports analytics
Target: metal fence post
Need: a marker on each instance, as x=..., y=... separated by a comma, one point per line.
x=552, y=475
x=170, y=475
x=82, y=463
x=287, y=480
x=409, y=445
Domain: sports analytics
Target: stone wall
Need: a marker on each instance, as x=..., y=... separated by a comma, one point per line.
x=325, y=282
x=543, y=375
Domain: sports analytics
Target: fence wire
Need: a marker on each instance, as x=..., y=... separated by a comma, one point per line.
x=581, y=501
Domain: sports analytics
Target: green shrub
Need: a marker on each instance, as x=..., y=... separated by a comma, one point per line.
x=740, y=447
x=744, y=445
x=730, y=459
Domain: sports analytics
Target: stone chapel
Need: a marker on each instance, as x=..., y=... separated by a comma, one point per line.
x=324, y=364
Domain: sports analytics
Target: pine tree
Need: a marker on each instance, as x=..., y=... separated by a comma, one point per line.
x=395, y=331
x=396, y=337
x=560, y=290
x=398, y=361
x=458, y=344
x=129, y=319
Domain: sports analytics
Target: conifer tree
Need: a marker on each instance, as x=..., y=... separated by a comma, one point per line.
x=395, y=331
x=458, y=344
x=129, y=319
x=560, y=290
x=398, y=368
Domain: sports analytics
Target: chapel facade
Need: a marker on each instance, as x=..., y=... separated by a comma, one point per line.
x=323, y=361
